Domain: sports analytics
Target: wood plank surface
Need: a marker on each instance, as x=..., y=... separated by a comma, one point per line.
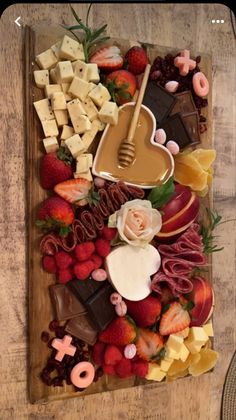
x=170, y=25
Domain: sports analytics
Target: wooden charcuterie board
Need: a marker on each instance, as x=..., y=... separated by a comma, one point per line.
x=38, y=39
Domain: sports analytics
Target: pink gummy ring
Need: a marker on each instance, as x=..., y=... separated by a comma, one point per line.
x=200, y=84
x=82, y=374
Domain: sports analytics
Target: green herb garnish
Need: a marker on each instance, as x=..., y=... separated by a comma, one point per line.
x=206, y=232
x=160, y=195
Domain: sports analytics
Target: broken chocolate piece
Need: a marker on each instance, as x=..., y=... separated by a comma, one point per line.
x=176, y=131
x=158, y=100
x=184, y=103
x=65, y=303
x=83, y=289
x=191, y=122
x=99, y=307
x=82, y=328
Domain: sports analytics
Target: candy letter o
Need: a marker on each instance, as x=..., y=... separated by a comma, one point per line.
x=82, y=374
x=200, y=84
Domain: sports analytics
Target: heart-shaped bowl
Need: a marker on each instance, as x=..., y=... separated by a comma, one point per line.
x=153, y=164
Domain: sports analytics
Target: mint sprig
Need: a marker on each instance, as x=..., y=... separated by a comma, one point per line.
x=161, y=194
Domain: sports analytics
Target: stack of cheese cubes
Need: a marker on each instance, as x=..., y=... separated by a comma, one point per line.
x=76, y=103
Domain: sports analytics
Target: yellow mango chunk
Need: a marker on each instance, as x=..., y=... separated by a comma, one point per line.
x=178, y=375
x=208, y=359
x=179, y=366
x=205, y=157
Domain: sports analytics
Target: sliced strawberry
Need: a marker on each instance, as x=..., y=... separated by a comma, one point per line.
x=149, y=344
x=175, y=319
x=108, y=58
x=73, y=190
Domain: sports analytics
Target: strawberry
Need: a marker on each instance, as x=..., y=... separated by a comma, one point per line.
x=98, y=353
x=97, y=261
x=144, y=312
x=124, y=368
x=108, y=58
x=102, y=247
x=166, y=295
x=136, y=60
x=53, y=213
x=108, y=233
x=121, y=85
x=175, y=319
x=49, y=264
x=119, y=332
x=84, y=251
x=73, y=190
x=149, y=344
x=140, y=368
x=109, y=369
x=112, y=355
x=55, y=167
x=63, y=259
x=82, y=270
x=65, y=275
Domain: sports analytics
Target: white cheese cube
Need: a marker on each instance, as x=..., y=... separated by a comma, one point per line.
x=65, y=87
x=208, y=328
x=91, y=86
x=89, y=156
x=184, y=352
x=99, y=95
x=197, y=335
x=71, y=49
x=192, y=346
x=90, y=108
x=184, y=333
x=172, y=354
x=67, y=132
x=44, y=110
x=41, y=78
x=61, y=117
x=98, y=124
x=49, y=89
x=64, y=71
x=50, y=144
x=75, y=109
x=81, y=124
x=46, y=60
x=109, y=113
x=89, y=137
x=155, y=373
x=165, y=364
x=50, y=128
x=174, y=342
x=93, y=74
x=82, y=164
x=79, y=88
x=58, y=101
x=75, y=145
x=53, y=76
x=81, y=70
x=56, y=48
x=86, y=175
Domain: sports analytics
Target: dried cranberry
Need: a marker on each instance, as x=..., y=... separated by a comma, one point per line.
x=60, y=332
x=202, y=118
x=79, y=389
x=53, y=325
x=50, y=343
x=45, y=336
x=57, y=381
x=198, y=59
x=99, y=371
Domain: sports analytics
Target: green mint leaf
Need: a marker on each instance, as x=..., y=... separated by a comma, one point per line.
x=161, y=194
x=188, y=306
x=165, y=308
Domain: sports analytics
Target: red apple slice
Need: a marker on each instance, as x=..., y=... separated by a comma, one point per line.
x=178, y=201
x=203, y=298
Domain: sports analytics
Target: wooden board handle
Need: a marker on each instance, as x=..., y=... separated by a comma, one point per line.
x=134, y=120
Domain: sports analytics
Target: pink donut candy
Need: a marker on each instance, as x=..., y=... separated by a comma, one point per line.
x=130, y=351
x=99, y=274
x=99, y=182
x=115, y=298
x=121, y=308
x=173, y=147
x=88, y=371
x=200, y=84
x=160, y=136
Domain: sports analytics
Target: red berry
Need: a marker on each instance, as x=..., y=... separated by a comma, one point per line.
x=83, y=269
x=136, y=59
x=63, y=259
x=112, y=355
x=102, y=247
x=108, y=233
x=124, y=368
x=65, y=275
x=97, y=261
x=49, y=264
x=98, y=353
x=109, y=369
x=84, y=251
x=140, y=368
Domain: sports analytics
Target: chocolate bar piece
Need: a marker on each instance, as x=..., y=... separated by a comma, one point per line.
x=175, y=130
x=82, y=328
x=83, y=289
x=99, y=307
x=184, y=103
x=158, y=100
x=65, y=303
x=191, y=122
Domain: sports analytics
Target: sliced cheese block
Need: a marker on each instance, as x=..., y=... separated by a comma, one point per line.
x=129, y=269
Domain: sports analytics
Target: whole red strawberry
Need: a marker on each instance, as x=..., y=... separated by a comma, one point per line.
x=121, y=85
x=55, y=212
x=144, y=312
x=136, y=60
x=55, y=167
x=119, y=332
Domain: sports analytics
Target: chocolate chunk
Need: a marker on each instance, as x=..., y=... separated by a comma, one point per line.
x=83, y=289
x=191, y=122
x=82, y=328
x=65, y=303
x=175, y=130
x=99, y=307
x=158, y=100
x=184, y=103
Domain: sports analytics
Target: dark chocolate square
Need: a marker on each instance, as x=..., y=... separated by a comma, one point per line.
x=83, y=289
x=184, y=103
x=82, y=328
x=191, y=122
x=176, y=131
x=65, y=303
x=99, y=307
x=158, y=100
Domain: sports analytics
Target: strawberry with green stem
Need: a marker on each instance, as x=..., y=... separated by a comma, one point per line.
x=121, y=85
x=55, y=167
x=55, y=214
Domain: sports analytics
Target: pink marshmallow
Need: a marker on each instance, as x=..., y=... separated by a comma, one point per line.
x=99, y=274
x=63, y=347
x=121, y=308
x=200, y=84
x=115, y=298
x=130, y=351
x=173, y=147
x=184, y=63
x=99, y=182
x=88, y=371
x=160, y=136
x=172, y=86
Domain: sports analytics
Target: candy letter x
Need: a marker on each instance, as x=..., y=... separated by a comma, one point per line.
x=63, y=347
x=184, y=63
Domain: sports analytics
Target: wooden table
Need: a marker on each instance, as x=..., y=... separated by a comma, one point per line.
x=188, y=26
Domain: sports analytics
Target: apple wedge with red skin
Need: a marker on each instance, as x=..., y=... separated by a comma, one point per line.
x=202, y=296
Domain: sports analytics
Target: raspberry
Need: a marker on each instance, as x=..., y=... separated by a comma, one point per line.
x=124, y=368
x=102, y=247
x=84, y=251
x=109, y=369
x=83, y=269
x=63, y=259
x=140, y=368
x=98, y=353
x=97, y=261
x=65, y=275
x=49, y=264
x=108, y=233
x=112, y=355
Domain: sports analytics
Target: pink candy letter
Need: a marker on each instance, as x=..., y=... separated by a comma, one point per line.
x=64, y=347
x=184, y=63
x=200, y=84
x=83, y=368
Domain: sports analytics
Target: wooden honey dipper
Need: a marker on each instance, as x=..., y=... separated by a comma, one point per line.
x=126, y=152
